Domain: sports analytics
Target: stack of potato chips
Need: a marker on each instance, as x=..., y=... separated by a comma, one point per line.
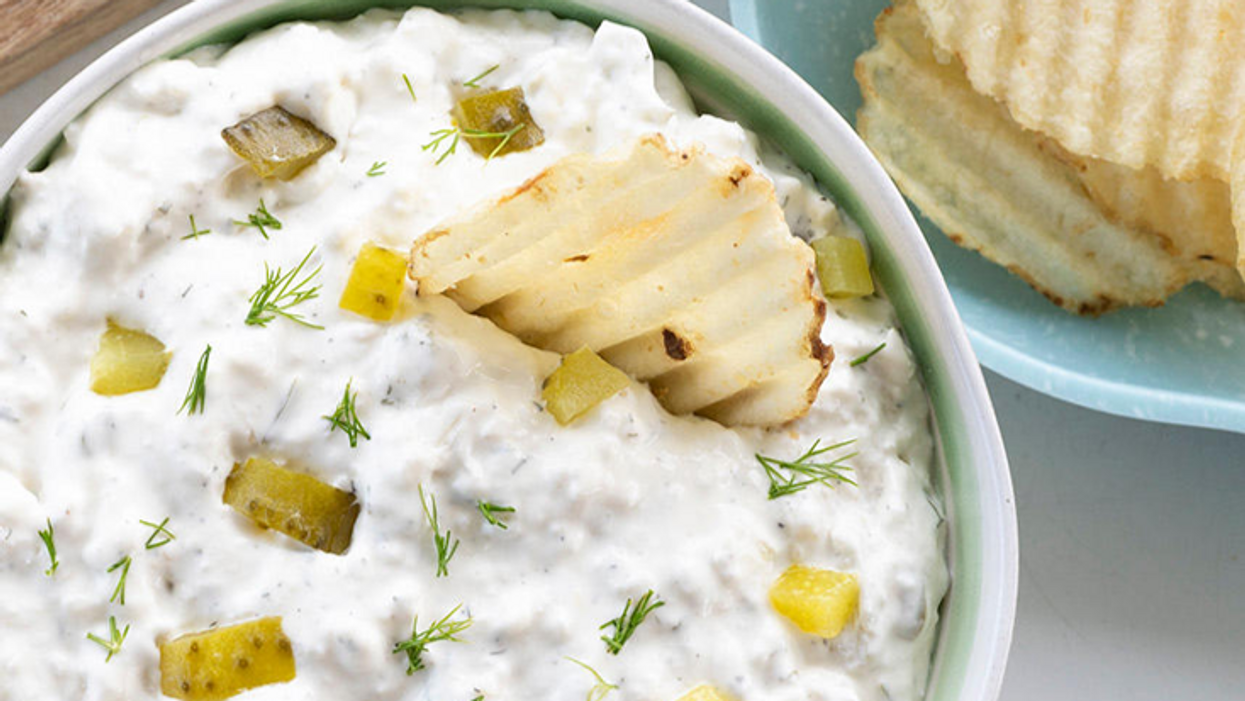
x=1093, y=147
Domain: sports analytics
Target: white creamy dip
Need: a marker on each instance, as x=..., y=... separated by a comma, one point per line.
x=626, y=499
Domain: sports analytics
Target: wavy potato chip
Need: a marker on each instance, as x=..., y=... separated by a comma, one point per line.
x=1193, y=220
x=675, y=266
x=1134, y=82
x=1237, y=186
x=996, y=188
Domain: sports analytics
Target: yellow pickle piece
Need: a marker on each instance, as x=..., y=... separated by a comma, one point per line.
x=704, y=692
x=276, y=143
x=376, y=283
x=222, y=662
x=817, y=601
x=127, y=361
x=296, y=504
x=842, y=267
x=504, y=115
x=582, y=381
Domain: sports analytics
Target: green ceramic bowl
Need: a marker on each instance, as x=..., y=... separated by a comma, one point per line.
x=729, y=75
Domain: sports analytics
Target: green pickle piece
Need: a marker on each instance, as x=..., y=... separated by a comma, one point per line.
x=276, y=143
x=376, y=282
x=842, y=267
x=498, y=112
x=581, y=382
x=705, y=692
x=222, y=662
x=298, y=505
x=127, y=361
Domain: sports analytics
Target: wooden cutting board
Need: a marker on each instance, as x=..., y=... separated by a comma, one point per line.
x=35, y=34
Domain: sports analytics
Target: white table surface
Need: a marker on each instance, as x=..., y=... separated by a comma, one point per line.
x=1132, y=534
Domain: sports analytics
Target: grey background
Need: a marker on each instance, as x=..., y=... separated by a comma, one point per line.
x=1132, y=583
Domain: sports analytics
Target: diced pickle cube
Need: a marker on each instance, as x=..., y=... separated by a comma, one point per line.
x=842, y=267
x=704, y=692
x=498, y=112
x=582, y=381
x=376, y=283
x=298, y=505
x=222, y=662
x=817, y=601
x=276, y=143
x=127, y=361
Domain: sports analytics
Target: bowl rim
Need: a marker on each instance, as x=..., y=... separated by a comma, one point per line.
x=953, y=373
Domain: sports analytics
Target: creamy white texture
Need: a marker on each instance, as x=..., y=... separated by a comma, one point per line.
x=628, y=498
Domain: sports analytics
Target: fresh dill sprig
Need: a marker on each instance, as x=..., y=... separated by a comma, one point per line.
x=161, y=536
x=409, y=89
x=474, y=82
x=280, y=292
x=378, y=168
x=440, y=136
x=602, y=687
x=803, y=472
x=196, y=394
x=115, y=638
x=118, y=594
x=346, y=417
x=445, y=543
x=262, y=219
x=490, y=510
x=865, y=358
x=455, y=133
x=417, y=644
x=631, y=618
x=48, y=538
x=505, y=137
x=195, y=231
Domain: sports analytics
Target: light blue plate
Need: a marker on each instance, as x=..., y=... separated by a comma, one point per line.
x=1183, y=363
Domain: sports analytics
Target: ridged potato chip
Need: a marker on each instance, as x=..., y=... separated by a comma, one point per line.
x=1133, y=82
x=675, y=266
x=1237, y=187
x=996, y=188
x=1193, y=220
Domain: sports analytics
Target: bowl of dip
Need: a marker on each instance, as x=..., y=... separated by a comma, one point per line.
x=713, y=68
